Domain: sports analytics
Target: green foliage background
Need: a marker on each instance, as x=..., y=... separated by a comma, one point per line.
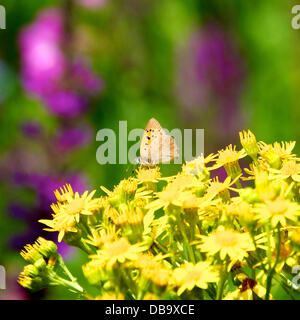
x=134, y=51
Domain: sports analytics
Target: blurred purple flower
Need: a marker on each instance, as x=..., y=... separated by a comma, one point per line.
x=211, y=74
x=66, y=103
x=64, y=85
x=71, y=138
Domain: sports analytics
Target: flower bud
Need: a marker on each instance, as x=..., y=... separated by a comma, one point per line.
x=31, y=254
x=40, y=264
x=45, y=247
x=248, y=141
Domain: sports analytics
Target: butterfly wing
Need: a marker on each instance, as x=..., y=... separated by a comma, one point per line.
x=169, y=149
x=156, y=145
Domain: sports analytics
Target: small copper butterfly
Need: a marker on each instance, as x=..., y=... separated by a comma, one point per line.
x=156, y=146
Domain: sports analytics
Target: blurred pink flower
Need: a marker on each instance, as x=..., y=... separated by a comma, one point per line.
x=64, y=84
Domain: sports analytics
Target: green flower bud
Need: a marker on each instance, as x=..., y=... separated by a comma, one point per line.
x=249, y=195
x=45, y=247
x=40, y=264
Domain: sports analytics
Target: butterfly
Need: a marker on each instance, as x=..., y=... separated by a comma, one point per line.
x=156, y=146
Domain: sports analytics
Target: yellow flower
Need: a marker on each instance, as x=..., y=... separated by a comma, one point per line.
x=248, y=290
x=126, y=214
x=67, y=214
x=229, y=159
x=118, y=252
x=152, y=269
x=277, y=152
x=31, y=254
x=183, y=181
x=45, y=247
x=33, y=284
x=228, y=243
x=134, y=216
x=103, y=235
x=197, y=166
x=289, y=169
x=64, y=194
x=148, y=175
x=269, y=154
x=60, y=223
x=188, y=276
x=128, y=188
x=220, y=189
x=169, y=196
x=279, y=210
x=249, y=143
x=295, y=236
x=284, y=150
x=190, y=203
x=80, y=205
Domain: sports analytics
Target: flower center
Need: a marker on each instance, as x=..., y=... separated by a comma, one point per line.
x=76, y=206
x=192, y=275
x=277, y=208
x=226, y=239
x=117, y=248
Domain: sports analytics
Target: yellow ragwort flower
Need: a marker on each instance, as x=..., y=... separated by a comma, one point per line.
x=198, y=166
x=118, y=252
x=227, y=242
x=168, y=196
x=66, y=215
x=189, y=275
x=289, y=169
x=65, y=193
x=248, y=141
x=30, y=253
x=277, y=211
x=148, y=175
x=229, y=159
x=220, y=189
x=103, y=235
x=60, y=223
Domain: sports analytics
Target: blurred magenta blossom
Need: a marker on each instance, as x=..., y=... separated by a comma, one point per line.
x=65, y=84
x=69, y=139
x=211, y=75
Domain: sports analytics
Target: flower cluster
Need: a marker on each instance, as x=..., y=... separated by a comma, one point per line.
x=186, y=236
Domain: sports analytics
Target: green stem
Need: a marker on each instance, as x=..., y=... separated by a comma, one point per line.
x=186, y=241
x=85, y=247
x=171, y=240
x=65, y=268
x=238, y=184
x=272, y=269
x=223, y=276
x=73, y=285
